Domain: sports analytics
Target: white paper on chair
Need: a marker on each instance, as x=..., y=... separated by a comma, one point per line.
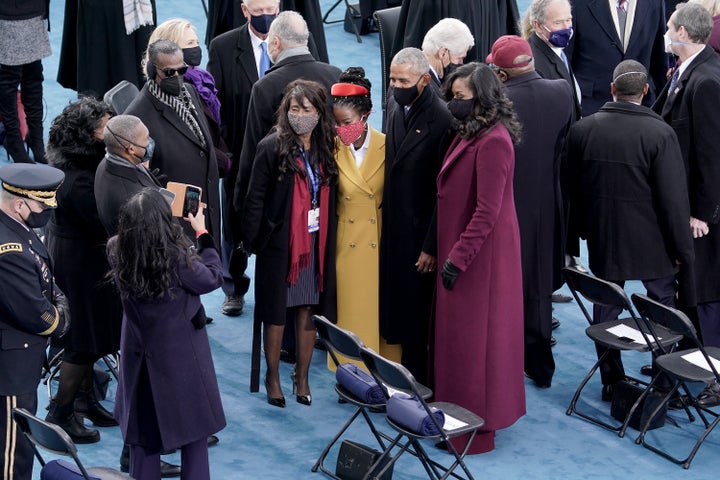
x=452, y=423
x=696, y=358
x=628, y=332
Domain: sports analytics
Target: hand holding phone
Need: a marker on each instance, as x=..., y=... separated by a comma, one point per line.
x=197, y=222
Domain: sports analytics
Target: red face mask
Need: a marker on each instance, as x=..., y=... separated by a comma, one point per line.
x=350, y=133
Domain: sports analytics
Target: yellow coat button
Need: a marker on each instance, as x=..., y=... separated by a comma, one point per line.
x=372, y=220
x=347, y=198
x=350, y=220
x=352, y=245
x=373, y=245
x=371, y=196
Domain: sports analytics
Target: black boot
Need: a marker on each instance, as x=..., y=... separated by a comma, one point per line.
x=64, y=417
x=86, y=405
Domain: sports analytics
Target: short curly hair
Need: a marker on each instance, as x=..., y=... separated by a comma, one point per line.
x=77, y=123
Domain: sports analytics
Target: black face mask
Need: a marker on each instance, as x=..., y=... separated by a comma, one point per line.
x=261, y=23
x=461, y=109
x=172, y=85
x=37, y=219
x=192, y=56
x=149, y=150
x=405, y=96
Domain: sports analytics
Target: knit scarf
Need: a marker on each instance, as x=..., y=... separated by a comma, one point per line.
x=137, y=13
x=300, y=240
x=204, y=83
x=182, y=105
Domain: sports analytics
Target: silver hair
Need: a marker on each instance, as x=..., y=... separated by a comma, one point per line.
x=125, y=128
x=696, y=20
x=290, y=27
x=414, y=57
x=449, y=33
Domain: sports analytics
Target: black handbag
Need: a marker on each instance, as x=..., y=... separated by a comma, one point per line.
x=355, y=459
x=626, y=394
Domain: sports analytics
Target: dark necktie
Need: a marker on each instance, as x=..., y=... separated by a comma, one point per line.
x=264, y=60
x=674, y=81
x=622, y=18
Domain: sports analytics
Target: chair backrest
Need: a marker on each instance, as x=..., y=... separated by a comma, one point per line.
x=655, y=312
x=387, y=22
x=120, y=96
x=337, y=339
x=48, y=436
x=389, y=373
x=597, y=291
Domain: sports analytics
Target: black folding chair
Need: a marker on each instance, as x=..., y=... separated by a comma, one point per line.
x=121, y=96
x=53, y=439
x=53, y=363
x=607, y=294
x=678, y=366
x=346, y=343
x=398, y=378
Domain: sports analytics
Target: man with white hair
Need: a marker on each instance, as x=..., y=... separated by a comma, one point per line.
x=446, y=45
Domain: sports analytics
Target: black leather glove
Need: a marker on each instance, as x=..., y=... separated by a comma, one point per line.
x=63, y=307
x=200, y=319
x=449, y=274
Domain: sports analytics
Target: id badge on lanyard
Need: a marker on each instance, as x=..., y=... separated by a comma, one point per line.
x=314, y=212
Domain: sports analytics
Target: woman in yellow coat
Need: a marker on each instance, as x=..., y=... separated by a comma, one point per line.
x=361, y=163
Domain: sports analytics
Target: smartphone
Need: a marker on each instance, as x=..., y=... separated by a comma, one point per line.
x=192, y=201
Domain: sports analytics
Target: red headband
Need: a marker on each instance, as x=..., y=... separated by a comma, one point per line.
x=348, y=90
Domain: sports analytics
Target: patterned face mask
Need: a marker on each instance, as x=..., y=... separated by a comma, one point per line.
x=350, y=133
x=302, y=124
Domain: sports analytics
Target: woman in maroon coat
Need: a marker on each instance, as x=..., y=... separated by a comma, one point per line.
x=479, y=326
x=168, y=394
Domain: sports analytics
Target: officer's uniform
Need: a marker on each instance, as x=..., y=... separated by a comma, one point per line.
x=27, y=314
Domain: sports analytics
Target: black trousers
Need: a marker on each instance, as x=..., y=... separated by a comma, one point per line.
x=661, y=290
x=29, y=78
x=16, y=454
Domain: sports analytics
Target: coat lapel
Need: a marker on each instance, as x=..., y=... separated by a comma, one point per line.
x=374, y=162
x=245, y=57
x=600, y=11
x=457, y=147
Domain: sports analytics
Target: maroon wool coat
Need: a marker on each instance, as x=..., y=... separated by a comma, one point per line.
x=479, y=326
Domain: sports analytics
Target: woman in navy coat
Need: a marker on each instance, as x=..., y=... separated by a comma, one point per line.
x=167, y=394
x=479, y=325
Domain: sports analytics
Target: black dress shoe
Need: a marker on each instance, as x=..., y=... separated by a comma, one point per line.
x=64, y=417
x=86, y=405
x=233, y=305
x=553, y=341
x=710, y=397
x=167, y=470
x=560, y=298
x=212, y=440
x=554, y=323
x=647, y=370
x=607, y=392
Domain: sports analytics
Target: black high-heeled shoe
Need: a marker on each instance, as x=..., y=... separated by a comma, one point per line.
x=302, y=399
x=275, y=402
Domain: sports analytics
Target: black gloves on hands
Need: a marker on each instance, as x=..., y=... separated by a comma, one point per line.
x=63, y=307
x=449, y=274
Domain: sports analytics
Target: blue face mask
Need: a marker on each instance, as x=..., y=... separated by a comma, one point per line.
x=560, y=38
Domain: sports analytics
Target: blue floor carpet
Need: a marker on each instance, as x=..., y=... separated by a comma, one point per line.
x=261, y=441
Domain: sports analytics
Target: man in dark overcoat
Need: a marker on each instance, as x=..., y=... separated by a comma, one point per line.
x=417, y=128
x=171, y=110
x=28, y=311
x=545, y=110
x=690, y=104
x=632, y=199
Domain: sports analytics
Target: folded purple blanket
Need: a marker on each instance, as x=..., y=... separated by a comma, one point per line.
x=360, y=383
x=409, y=412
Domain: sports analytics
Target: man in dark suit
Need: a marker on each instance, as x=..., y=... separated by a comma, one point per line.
x=628, y=173
x=690, y=104
x=608, y=32
x=171, y=110
x=417, y=125
x=29, y=308
x=121, y=174
x=537, y=191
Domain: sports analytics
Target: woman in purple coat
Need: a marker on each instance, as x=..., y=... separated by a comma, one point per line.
x=167, y=394
x=479, y=325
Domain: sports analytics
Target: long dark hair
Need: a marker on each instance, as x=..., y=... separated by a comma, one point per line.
x=323, y=136
x=491, y=105
x=149, y=243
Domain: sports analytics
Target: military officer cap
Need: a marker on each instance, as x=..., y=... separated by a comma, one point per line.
x=33, y=181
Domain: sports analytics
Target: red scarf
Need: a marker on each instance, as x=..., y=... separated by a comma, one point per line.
x=300, y=241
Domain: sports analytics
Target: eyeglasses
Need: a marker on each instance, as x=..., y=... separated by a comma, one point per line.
x=170, y=72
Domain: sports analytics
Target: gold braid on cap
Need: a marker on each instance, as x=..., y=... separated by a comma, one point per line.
x=48, y=197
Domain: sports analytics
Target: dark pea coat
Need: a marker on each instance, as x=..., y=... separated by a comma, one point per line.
x=76, y=240
x=161, y=346
x=479, y=325
x=413, y=155
x=630, y=192
x=545, y=110
x=116, y=180
x=596, y=49
x=266, y=229
x=179, y=154
x=692, y=111
x=549, y=65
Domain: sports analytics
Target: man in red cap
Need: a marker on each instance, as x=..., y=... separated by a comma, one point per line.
x=537, y=191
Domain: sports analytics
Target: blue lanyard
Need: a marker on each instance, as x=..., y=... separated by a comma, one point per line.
x=314, y=180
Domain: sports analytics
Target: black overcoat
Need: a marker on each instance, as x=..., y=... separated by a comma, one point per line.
x=630, y=193
x=76, y=239
x=692, y=111
x=549, y=65
x=179, y=154
x=413, y=156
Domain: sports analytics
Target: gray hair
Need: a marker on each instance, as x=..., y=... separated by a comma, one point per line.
x=161, y=47
x=712, y=6
x=696, y=20
x=125, y=129
x=290, y=27
x=414, y=57
x=449, y=33
x=536, y=11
